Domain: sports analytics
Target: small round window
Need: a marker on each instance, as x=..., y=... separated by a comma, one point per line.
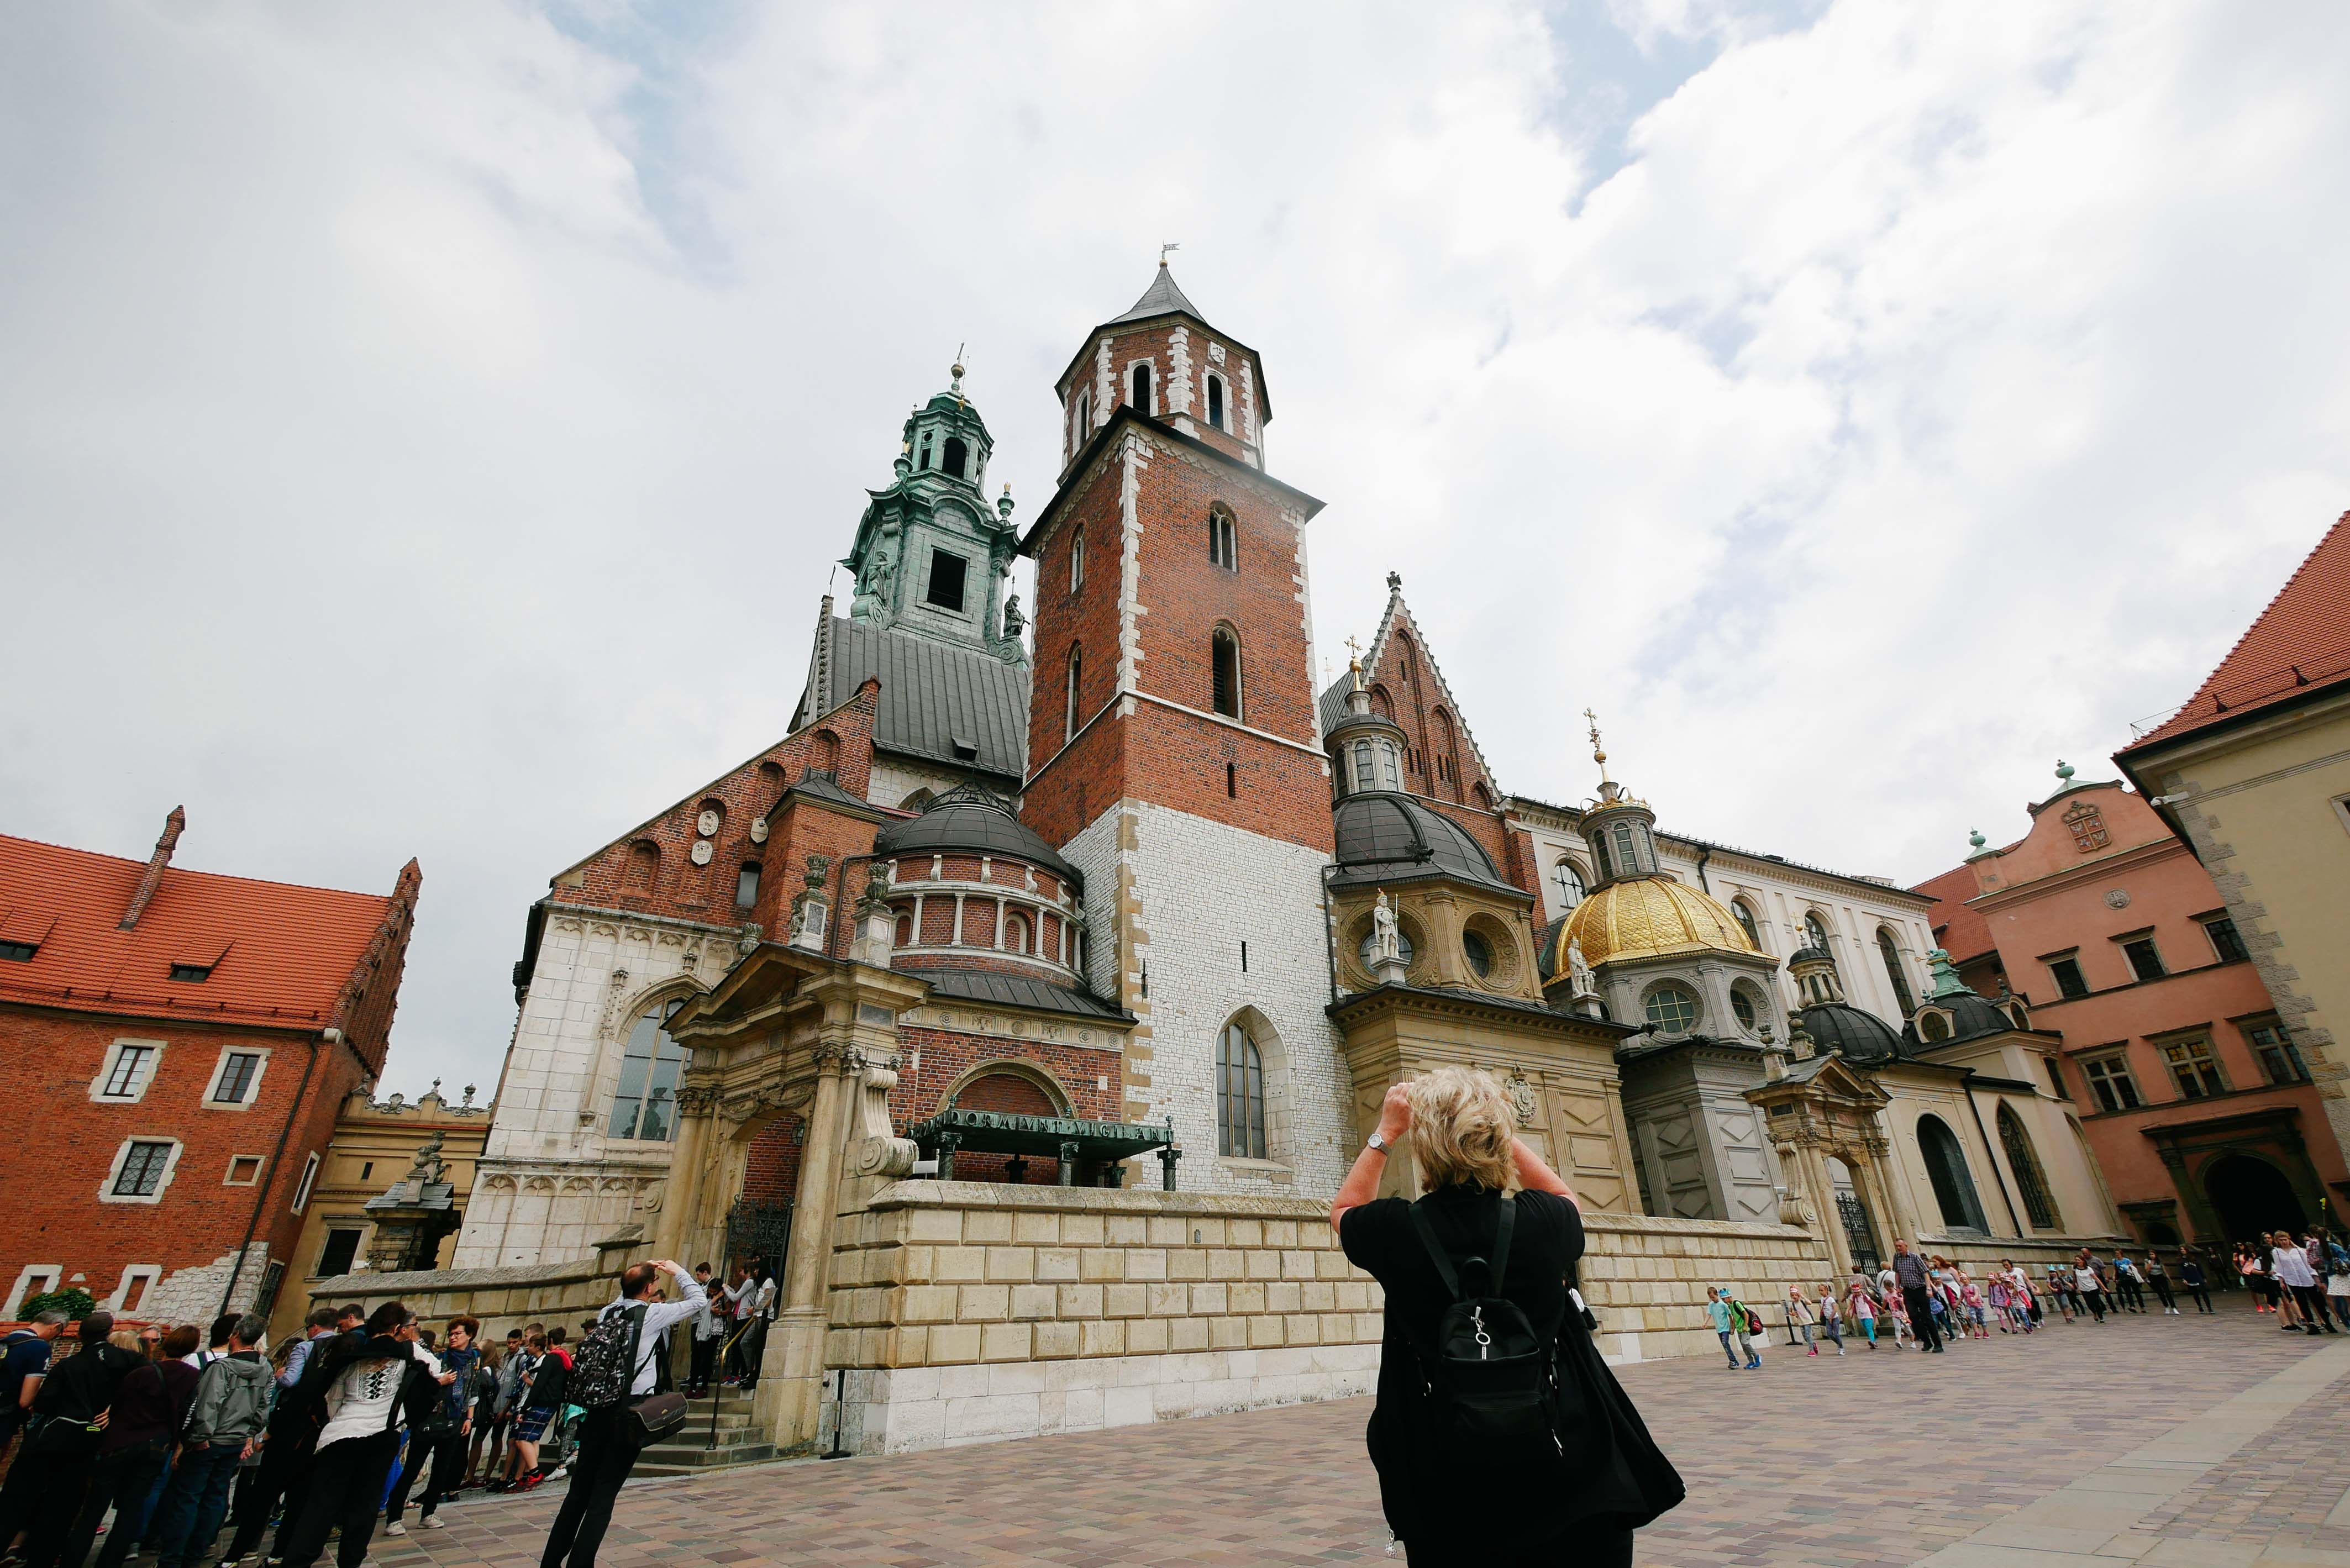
x=1403, y=946
x=1741, y=1007
x=1479, y=952
x=1933, y=1027
x=1671, y=1009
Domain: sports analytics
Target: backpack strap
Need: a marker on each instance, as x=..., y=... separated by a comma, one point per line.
x=636, y=1313
x=1504, y=1223
x=1444, y=1270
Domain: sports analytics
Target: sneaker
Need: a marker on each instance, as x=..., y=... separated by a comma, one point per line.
x=395, y=1528
x=431, y=1522
x=529, y=1482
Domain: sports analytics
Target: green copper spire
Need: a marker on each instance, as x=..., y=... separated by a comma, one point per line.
x=1945, y=977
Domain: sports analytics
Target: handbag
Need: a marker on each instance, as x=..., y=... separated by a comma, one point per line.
x=660, y=1412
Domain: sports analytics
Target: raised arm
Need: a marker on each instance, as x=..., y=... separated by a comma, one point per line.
x=1362, y=1183
x=1537, y=1177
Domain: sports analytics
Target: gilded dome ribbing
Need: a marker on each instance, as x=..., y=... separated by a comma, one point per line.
x=1647, y=917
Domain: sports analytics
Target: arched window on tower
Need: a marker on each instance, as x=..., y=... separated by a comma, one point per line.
x=1387, y=775
x=1069, y=708
x=1224, y=654
x=1084, y=427
x=1216, y=400
x=1815, y=932
x=1600, y=857
x=1077, y=560
x=957, y=458
x=1223, y=539
x=1568, y=881
x=1628, y=852
x=1365, y=767
x=1891, y=952
x=1240, y=1095
x=1139, y=394
x=649, y=1065
x=924, y=463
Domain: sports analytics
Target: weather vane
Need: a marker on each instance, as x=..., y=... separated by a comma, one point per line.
x=1164, y=249
x=957, y=369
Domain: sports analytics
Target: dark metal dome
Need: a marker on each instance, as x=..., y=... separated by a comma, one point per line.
x=1384, y=838
x=1971, y=1017
x=968, y=820
x=1863, y=1037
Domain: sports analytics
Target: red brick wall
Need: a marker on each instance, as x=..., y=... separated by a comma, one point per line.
x=54, y=1170
x=773, y=1174
x=1156, y=343
x=946, y=1055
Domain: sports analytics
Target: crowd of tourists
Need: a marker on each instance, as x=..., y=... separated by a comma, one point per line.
x=151, y=1442
x=1929, y=1302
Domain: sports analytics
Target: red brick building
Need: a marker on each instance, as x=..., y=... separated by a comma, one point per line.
x=176, y=1044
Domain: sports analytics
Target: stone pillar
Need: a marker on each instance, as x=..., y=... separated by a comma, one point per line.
x=682, y=1198
x=1892, y=1221
x=791, y=1379
x=1823, y=1199
x=1441, y=910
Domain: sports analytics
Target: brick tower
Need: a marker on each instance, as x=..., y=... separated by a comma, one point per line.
x=1173, y=753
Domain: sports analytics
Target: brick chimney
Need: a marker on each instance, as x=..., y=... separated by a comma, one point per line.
x=174, y=825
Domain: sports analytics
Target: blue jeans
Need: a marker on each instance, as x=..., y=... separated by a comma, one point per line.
x=194, y=1503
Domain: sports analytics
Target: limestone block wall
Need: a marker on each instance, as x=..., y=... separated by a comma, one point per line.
x=1646, y=1278
x=502, y=1298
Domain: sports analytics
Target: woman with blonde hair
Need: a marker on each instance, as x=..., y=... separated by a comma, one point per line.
x=1495, y=1223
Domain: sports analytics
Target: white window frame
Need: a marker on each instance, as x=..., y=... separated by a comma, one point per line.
x=47, y=1276
x=1077, y=559
x=113, y=1056
x=1126, y=393
x=309, y=1176
x=1208, y=405
x=132, y=1272
x=220, y=1071
x=228, y=1172
x=106, y=1193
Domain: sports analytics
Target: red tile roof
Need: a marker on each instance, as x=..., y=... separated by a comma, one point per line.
x=280, y=953
x=1963, y=932
x=2300, y=642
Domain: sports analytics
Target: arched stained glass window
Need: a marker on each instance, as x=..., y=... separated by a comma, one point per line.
x=1569, y=882
x=1946, y=1168
x=644, y=1107
x=2030, y=1180
x=1892, y=955
x=1240, y=1095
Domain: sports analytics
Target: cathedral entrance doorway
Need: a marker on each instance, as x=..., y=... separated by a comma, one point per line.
x=758, y=1231
x=1851, y=1213
x=2251, y=1198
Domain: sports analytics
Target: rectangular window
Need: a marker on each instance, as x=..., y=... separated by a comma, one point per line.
x=127, y=1078
x=244, y=1170
x=2225, y=939
x=236, y=1077
x=143, y=1170
x=2109, y=1079
x=2194, y=1070
x=2066, y=972
x=191, y=973
x=302, y=1187
x=334, y=1257
x=947, y=570
x=18, y=952
x=747, y=886
x=2279, y=1058
x=2145, y=961
x=2056, y=1076
x=1216, y=402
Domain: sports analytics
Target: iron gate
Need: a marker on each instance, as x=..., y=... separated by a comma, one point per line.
x=758, y=1229
x=1857, y=1235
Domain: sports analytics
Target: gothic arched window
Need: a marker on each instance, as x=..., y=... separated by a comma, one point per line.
x=1240, y=1095
x=1746, y=922
x=1223, y=540
x=1140, y=395
x=1946, y=1168
x=2030, y=1180
x=643, y=1107
x=1569, y=882
x=1215, y=399
x=957, y=458
x=1892, y=955
x=1224, y=655
x=1069, y=713
x=1085, y=425
x=1077, y=560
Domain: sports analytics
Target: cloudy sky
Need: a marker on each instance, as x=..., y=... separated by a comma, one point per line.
x=427, y=430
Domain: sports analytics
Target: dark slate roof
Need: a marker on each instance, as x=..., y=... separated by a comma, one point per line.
x=1017, y=990
x=1973, y=1017
x=932, y=695
x=821, y=786
x=1161, y=299
x=968, y=820
x=1862, y=1037
x=1383, y=837
x=1333, y=702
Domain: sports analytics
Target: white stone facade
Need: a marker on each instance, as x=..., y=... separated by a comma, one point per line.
x=1170, y=899
x=552, y=1182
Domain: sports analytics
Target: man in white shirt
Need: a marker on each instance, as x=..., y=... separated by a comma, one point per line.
x=760, y=1309
x=609, y=1437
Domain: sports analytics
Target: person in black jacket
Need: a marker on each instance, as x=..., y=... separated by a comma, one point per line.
x=359, y=1391
x=1584, y=1510
x=54, y=1464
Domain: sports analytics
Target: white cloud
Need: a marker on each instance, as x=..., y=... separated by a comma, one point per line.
x=428, y=431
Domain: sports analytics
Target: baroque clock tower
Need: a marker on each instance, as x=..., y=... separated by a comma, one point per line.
x=1173, y=749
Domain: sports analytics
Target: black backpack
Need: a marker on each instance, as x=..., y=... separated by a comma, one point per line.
x=606, y=1363
x=1494, y=1411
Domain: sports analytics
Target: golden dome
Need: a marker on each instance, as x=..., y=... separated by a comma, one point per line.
x=1648, y=917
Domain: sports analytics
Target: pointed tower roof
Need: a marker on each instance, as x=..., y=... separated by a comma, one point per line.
x=1161, y=299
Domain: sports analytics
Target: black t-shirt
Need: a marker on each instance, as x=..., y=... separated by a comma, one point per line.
x=1380, y=1238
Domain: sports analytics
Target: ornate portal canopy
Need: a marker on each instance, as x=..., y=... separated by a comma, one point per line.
x=1069, y=1139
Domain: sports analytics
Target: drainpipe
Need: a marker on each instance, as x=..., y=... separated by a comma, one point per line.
x=1704, y=854
x=1984, y=1132
x=276, y=1160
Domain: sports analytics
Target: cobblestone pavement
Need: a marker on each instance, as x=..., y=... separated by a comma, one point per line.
x=1880, y=1458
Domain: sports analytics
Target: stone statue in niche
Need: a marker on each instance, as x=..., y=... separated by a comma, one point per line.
x=1014, y=623
x=1385, y=943
x=1578, y=970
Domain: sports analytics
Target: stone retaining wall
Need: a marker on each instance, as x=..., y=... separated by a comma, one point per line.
x=568, y=1294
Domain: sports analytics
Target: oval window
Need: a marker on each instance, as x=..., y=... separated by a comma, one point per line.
x=1479, y=952
x=1741, y=1007
x=1671, y=1009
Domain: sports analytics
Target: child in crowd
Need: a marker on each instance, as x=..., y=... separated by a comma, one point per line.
x=1831, y=1319
x=1799, y=1318
x=1864, y=1311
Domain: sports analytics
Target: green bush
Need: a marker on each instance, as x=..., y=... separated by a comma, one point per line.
x=75, y=1304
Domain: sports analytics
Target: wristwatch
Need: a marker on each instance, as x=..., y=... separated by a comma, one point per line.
x=1377, y=1142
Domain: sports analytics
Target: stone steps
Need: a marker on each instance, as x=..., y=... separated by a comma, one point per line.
x=688, y=1450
